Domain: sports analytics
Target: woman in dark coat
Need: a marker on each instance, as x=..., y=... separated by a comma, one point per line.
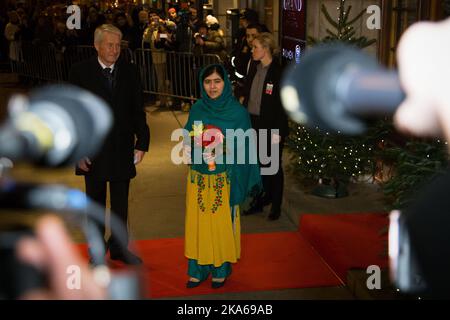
x=262, y=99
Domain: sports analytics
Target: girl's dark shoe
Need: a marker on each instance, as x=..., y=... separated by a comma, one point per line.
x=274, y=215
x=218, y=284
x=192, y=284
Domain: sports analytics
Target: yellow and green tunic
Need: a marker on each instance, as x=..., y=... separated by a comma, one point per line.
x=213, y=230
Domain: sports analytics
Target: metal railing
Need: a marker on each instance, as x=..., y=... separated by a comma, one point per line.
x=165, y=74
x=172, y=74
x=38, y=61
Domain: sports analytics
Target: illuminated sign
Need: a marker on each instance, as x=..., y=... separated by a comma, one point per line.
x=293, y=5
x=293, y=37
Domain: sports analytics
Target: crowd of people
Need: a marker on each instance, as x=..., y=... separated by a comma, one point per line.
x=177, y=30
x=182, y=29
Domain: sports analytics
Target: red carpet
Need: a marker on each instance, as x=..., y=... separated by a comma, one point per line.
x=320, y=255
x=269, y=261
x=347, y=241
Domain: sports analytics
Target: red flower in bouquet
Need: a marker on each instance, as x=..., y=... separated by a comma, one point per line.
x=207, y=137
x=212, y=136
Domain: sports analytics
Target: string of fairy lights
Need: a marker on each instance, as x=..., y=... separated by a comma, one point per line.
x=322, y=154
x=325, y=154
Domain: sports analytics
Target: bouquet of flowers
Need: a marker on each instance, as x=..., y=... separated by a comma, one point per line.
x=208, y=138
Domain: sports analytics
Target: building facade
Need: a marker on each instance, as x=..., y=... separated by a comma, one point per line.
x=393, y=16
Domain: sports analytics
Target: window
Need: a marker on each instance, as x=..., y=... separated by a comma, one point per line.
x=398, y=15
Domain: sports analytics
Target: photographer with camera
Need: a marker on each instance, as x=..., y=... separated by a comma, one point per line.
x=423, y=227
x=44, y=264
x=210, y=40
x=200, y=38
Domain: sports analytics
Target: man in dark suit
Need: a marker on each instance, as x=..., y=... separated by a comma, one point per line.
x=118, y=83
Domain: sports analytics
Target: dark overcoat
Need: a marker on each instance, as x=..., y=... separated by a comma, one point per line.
x=115, y=160
x=272, y=114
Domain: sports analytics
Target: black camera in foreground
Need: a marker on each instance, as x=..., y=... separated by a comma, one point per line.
x=54, y=126
x=419, y=241
x=17, y=277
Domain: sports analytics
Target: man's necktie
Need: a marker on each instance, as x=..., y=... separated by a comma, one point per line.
x=109, y=76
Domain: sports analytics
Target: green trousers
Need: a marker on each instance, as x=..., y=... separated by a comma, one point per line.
x=201, y=272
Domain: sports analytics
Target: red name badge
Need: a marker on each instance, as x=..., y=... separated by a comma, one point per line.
x=269, y=88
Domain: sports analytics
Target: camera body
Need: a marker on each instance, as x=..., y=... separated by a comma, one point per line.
x=405, y=272
x=16, y=277
x=199, y=35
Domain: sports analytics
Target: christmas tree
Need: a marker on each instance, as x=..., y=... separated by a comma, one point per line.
x=344, y=30
x=332, y=158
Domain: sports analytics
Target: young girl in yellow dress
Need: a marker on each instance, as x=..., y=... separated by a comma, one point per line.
x=215, y=189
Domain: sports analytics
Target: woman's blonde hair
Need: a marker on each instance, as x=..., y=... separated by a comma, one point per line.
x=267, y=40
x=99, y=32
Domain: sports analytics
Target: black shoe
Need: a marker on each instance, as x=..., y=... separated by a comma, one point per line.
x=266, y=201
x=193, y=284
x=274, y=215
x=218, y=284
x=126, y=257
x=253, y=210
